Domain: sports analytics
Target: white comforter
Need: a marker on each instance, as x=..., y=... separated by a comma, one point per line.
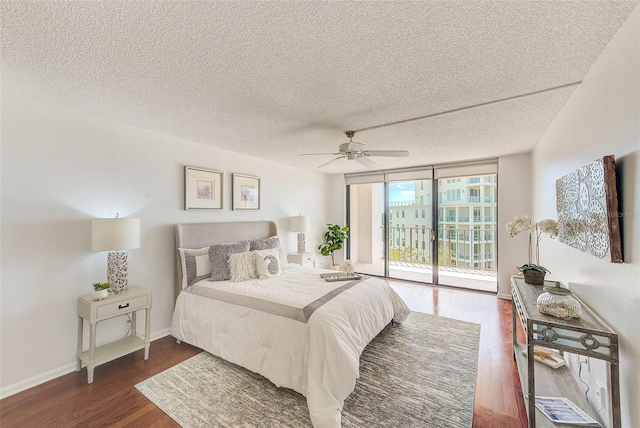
x=318, y=358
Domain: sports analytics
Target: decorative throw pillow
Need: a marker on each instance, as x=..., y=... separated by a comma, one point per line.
x=219, y=258
x=264, y=243
x=195, y=265
x=284, y=261
x=268, y=263
x=242, y=266
x=268, y=243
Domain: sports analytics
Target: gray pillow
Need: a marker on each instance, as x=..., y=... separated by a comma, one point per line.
x=264, y=243
x=219, y=258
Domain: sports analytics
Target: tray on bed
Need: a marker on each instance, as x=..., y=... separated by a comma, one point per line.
x=339, y=276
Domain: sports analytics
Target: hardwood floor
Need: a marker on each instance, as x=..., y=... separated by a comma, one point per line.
x=113, y=401
x=498, y=401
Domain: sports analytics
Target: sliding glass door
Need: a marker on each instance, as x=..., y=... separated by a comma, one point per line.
x=410, y=231
x=436, y=226
x=390, y=216
x=466, y=232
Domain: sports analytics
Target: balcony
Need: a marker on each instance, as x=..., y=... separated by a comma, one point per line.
x=413, y=245
x=464, y=258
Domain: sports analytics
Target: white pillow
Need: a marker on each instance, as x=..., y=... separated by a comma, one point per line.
x=268, y=263
x=195, y=265
x=242, y=266
x=284, y=260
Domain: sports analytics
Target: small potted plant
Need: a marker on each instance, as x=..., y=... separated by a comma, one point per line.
x=334, y=240
x=101, y=290
x=533, y=274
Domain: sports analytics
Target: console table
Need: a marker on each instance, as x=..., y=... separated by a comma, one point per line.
x=588, y=336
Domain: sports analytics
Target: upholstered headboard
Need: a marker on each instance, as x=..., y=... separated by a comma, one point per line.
x=200, y=235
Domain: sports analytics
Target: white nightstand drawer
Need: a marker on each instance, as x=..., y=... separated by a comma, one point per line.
x=306, y=259
x=121, y=307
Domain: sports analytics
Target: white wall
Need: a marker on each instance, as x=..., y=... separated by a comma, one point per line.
x=514, y=199
x=60, y=169
x=336, y=209
x=602, y=118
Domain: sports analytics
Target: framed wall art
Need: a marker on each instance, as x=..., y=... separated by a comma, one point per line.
x=246, y=192
x=202, y=189
x=587, y=205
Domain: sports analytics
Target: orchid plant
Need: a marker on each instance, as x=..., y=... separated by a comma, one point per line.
x=536, y=231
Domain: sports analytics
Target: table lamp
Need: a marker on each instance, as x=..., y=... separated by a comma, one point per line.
x=116, y=235
x=300, y=224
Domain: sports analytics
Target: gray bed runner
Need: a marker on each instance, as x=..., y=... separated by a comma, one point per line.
x=274, y=308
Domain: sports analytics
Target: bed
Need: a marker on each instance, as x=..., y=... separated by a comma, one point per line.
x=292, y=327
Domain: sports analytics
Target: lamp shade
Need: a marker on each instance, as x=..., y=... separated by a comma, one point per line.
x=114, y=234
x=300, y=224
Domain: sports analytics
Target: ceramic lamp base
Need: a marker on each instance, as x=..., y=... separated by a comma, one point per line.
x=301, y=243
x=117, y=271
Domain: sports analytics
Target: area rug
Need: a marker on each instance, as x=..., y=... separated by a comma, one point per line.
x=420, y=373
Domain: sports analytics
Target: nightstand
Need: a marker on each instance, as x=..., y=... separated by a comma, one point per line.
x=129, y=302
x=306, y=259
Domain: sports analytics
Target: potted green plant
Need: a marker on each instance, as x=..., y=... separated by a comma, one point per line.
x=334, y=240
x=100, y=290
x=533, y=274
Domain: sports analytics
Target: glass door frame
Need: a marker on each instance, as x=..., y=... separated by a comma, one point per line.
x=435, y=277
x=385, y=218
x=437, y=172
x=385, y=224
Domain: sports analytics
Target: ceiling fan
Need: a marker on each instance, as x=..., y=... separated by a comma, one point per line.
x=355, y=151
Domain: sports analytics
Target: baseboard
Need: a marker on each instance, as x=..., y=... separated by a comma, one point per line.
x=160, y=334
x=57, y=372
x=37, y=380
x=504, y=296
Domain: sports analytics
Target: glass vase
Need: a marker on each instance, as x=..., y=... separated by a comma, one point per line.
x=559, y=302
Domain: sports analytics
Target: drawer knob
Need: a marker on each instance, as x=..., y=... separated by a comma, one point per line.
x=123, y=306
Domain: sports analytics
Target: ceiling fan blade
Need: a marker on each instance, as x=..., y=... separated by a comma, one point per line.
x=331, y=161
x=388, y=153
x=316, y=154
x=367, y=162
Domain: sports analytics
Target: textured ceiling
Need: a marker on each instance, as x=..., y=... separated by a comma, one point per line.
x=276, y=79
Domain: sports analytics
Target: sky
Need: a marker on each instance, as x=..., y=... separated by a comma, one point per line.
x=404, y=191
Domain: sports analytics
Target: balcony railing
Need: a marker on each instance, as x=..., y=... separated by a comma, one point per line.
x=466, y=218
x=402, y=203
x=466, y=200
x=458, y=247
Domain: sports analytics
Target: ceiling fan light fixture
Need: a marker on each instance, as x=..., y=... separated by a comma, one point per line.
x=351, y=146
x=353, y=150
